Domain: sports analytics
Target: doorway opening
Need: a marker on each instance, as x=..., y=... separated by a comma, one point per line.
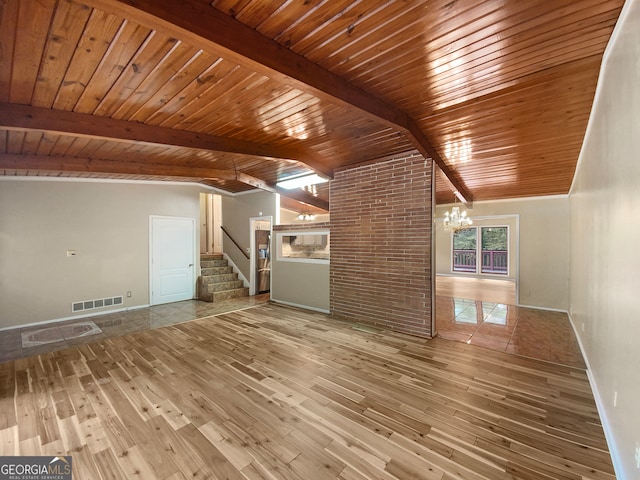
x=210, y=223
x=260, y=259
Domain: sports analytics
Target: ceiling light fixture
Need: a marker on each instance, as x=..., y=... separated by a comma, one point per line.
x=307, y=216
x=455, y=221
x=300, y=181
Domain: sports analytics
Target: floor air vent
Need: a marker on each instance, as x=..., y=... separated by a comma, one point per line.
x=93, y=304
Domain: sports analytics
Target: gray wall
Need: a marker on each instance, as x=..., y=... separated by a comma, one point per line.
x=605, y=266
x=287, y=217
x=543, y=245
x=106, y=223
x=236, y=212
x=301, y=284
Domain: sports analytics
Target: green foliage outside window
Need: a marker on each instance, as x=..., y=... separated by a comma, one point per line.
x=465, y=239
x=494, y=238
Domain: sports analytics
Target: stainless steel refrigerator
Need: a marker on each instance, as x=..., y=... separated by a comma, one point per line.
x=263, y=263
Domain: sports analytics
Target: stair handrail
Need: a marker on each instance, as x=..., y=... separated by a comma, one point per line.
x=246, y=255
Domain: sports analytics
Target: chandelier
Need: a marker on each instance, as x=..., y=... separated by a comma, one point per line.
x=307, y=216
x=455, y=220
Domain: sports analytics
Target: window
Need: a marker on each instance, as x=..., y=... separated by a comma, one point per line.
x=303, y=246
x=495, y=250
x=464, y=250
x=490, y=255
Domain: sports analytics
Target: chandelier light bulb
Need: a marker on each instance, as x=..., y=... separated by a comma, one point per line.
x=454, y=220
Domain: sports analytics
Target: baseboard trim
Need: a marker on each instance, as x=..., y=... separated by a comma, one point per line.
x=306, y=307
x=74, y=317
x=606, y=425
x=550, y=309
x=245, y=282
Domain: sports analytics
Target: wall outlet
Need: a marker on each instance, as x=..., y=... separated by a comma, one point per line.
x=615, y=399
x=582, y=327
x=71, y=253
x=129, y=294
x=638, y=455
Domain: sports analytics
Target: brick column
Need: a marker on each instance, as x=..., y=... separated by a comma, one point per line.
x=381, y=221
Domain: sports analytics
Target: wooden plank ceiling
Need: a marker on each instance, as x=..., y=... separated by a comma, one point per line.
x=238, y=94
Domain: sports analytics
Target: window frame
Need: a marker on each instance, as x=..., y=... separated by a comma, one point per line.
x=478, y=267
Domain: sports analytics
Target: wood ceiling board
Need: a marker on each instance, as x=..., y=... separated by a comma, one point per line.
x=577, y=74
x=450, y=71
x=207, y=96
x=154, y=97
x=308, y=18
x=118, y=58
x=303, y=196
x=30, y=32
x=8, y=20
x=143, y=78
x=449, y=43
x=64, y=34
x=227, y=103
x=23, y=117
x=188, y=101
x=110, y=153
x=563, y=51
x=32, y=142
x=84, y=165
x=300, y=207
x=376, y=21
x=87, y=56
x=359, y=17
x=502, y=70
x=197, y=24
x=155, y=53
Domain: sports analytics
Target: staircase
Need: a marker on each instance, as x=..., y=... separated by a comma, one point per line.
x=218, y=281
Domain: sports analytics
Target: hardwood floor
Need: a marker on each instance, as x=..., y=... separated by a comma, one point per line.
x=482, y=289
x=281, y=393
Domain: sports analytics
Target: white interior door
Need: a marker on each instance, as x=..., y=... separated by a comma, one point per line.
x=172, y=261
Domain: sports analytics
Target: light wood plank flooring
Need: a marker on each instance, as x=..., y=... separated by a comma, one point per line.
x=281, y=393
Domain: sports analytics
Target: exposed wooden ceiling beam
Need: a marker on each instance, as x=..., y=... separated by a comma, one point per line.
x=210, y=29
x=304, y=197
x=21, y=117
x=85, y=165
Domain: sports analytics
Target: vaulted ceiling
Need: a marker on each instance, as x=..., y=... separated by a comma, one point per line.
x=238, y=94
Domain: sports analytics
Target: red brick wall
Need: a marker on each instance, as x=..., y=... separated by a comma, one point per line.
x=381, y=220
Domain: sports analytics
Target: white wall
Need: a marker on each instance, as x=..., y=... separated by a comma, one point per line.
x=543, y=245
x=605, y=222
x=106, y=223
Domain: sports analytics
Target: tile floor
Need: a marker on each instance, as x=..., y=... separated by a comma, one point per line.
x=13, y=345
x=540, y=334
